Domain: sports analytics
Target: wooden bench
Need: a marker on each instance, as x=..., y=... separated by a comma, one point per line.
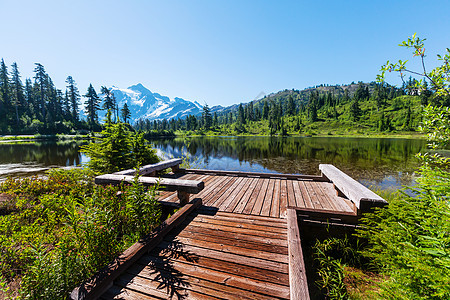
x=183, y=187
x=363, y=198
x=151, y=170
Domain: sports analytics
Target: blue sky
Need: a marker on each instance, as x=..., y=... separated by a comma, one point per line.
x=218, y=52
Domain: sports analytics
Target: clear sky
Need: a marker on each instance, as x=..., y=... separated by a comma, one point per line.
x=218, y=52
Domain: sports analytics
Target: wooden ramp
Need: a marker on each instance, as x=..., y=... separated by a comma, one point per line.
x=212, y=256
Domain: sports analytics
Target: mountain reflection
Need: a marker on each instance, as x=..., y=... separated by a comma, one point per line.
x=374, y=161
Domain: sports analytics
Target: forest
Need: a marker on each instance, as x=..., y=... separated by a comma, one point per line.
x=38, y=107
x=326, y=110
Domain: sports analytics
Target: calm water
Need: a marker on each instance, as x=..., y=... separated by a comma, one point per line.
x=387, y=163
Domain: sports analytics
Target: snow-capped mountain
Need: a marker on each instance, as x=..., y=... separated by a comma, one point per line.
x=144, y=104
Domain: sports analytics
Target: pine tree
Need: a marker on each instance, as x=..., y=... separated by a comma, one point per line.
x=206, y=117
x=40, y=82
x=73, y=97
x=92, y=106
x=241, y=115
x=290, y=110
x=5, y=94
x=109, y=101
x=125, y=113
x=355, y=111
x=18, y=98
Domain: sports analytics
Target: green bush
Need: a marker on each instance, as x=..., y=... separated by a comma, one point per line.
x=65, y=228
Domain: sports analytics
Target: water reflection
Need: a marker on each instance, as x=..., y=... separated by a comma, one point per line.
x=373, y=161
x=24, y=159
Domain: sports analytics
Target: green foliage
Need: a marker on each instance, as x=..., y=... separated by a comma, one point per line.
x=118, y=149
x=410, y=238
x=66, y=228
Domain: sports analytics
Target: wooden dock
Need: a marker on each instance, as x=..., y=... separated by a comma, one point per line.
x=237, y=238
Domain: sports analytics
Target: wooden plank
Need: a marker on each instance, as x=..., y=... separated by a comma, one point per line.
x=216, y=183
x=267, y=224
x=234, y=235
x=202, y=209
x=275, y=209
x=298, y=194
x=313, y=196
x=290, y=194
x=306, y=197
x=256, y=210
x=326, y=204
x=272, y=235
x=189, y=186
x=297, y=271
x=242, y=203
x=254, y=174
x=338, y=202
x=148, y=169
x=234, y=242
x=226, y=248
x=252, y=199
x=354, y=190
x=233, y=268
x=243, y=286
x=228, y=184
x=267, y=203
x=101, y=281
x=238, y=192
x=167, y=290
x=283, y=198
x=327, y=215
x=230, y=257
x=240, y=223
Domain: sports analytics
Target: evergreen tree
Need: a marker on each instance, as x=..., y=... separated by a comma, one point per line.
x=290, y=110
x=125, y=113
x=18, y=97
x=206, y=117
x=73, y=97
x=355, y=111
x=265, y=112
x=241, y=115
x=92, y=106
x=5, y=94
x=109, y=101
x=40, y=82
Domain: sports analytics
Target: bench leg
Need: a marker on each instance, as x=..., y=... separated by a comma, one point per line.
x=183, y=196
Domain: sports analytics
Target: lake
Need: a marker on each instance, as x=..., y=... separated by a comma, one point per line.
x=382, y=162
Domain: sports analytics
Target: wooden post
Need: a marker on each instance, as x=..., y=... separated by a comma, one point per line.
x=183, y=196
x=176, y=169
x=297, y=271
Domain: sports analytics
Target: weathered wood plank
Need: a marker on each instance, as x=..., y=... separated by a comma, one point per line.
x=240, y=206
x=363, y=198
x=275, y=209
x=252, y=199
x=297, y=271
x=149, y=169
x=237, y=223
x=339, y=202
x=306, y=197
x=283, y=198
x=223, y=189
x=254, y=174
x=244, y=244
x=298, y=194
x=234, y=235
x=189, y=186
x=313, y=196
x=100, y=282
x=256, y=210
x=267, y=224
x=218, y=245
x=290, y=194
x=249, y=217
x=267, y=202
x=230, y=204
x=243, y=286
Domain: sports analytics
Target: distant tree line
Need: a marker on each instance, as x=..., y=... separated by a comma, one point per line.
x=37, y=106
x=290, y=110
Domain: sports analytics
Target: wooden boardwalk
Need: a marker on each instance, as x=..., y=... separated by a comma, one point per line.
x=237, y=238
x=264, y=196
x=220, y=256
